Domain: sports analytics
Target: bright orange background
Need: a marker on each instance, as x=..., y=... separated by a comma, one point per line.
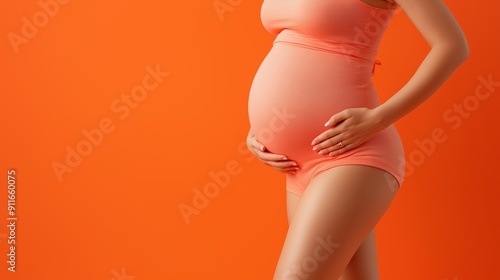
x=119, y=207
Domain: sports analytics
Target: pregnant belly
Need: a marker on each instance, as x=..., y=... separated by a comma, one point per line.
x=296, y=90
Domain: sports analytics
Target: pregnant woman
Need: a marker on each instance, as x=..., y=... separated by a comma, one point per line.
x=315, y=116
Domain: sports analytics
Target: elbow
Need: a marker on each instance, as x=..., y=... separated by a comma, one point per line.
x=463, y=50
x=456, y=50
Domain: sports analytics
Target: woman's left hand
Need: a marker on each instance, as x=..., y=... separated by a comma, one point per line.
x=348, y=129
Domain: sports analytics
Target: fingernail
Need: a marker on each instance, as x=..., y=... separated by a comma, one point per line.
x=313, y=142
x=327, y=123
x=315, y=148
x=294, y=164
x=262, y=148
x=284, y=158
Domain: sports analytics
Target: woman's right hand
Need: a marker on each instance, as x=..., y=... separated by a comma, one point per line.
x=276, y=161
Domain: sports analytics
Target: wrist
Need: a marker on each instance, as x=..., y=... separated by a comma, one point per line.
x=382, y=115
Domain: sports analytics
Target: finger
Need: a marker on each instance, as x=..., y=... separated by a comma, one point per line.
x=329, y=143
x=268, y=156
x=338, y=118
x=344, y=149
x=331, y=132
x=319, y=141
x=256, y=144
x=331, y=147
x=282, y=164
x=283, y=167
x=288, y=170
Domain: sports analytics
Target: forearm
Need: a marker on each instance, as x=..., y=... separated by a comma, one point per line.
x=435, y=69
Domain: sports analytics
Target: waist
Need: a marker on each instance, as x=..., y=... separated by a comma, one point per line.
x=293, y=37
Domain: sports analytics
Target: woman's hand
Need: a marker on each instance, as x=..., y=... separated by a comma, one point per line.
x=350, y=128
x=276, y=161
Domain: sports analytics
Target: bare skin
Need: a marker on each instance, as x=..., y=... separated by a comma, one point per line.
x=363, y=265
x=341, y=206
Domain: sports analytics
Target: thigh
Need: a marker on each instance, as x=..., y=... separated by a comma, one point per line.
x=292, y=201
x=336, y=213
x=363, y=265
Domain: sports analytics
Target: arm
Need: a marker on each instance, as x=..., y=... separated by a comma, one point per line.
x=449, y=49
